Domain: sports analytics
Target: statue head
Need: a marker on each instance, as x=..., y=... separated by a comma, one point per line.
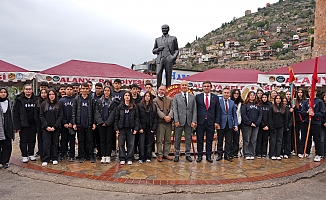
x=165, y=29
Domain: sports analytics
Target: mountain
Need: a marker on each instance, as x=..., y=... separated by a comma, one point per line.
x=277, y=35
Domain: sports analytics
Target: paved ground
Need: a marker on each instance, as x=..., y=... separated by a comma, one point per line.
x=14, y=186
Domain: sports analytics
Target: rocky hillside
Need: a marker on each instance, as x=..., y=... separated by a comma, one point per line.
x=278, y=32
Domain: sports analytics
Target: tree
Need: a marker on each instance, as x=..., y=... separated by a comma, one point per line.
x=311, y=30
x=188, y=45
x=277, y=44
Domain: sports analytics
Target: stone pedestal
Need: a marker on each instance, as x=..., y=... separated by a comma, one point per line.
x=320, y=28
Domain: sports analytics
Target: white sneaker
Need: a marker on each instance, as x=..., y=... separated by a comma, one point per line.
x=136, y=156
x=103, y=160
x=140, y=161
x=300, y=155
x=129, y=162
x=286, y=156
x=273, y=158
x=55, y=162
x=25, y=159
x=293, y=153
x=122, y=162
x=279, y=158
x=44, y=164
x=248, y=158
x=252, y=157
x=153, y=155
x=107, y=159
x=32, y=158
x=148, y=160
x=317, y=158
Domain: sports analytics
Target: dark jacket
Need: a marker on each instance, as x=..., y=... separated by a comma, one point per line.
x=76, y=110
x=290, y=115
x=278, y=120
x=265, y=107
x=323, y=119
x=146, y=114
x=111, y=109
x=51, y=118
x=67, y=106
x=297, y=111
x=7, y=120
x=120, y=115
x=251, y=113
x=319, y=111
x=20, y=115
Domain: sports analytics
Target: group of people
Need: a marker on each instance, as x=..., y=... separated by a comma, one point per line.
x=56, y=116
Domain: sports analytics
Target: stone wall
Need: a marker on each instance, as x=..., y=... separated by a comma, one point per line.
x=320, y=28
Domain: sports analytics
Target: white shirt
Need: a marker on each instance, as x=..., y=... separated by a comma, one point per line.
x=183, y=95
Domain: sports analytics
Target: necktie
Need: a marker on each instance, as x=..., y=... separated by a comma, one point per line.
x=186, y=99
x=206, y=102
x=226, y=106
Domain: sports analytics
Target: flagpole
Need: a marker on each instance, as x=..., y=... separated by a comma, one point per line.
x=311, y=100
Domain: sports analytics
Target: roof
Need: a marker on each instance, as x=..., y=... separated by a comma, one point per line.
x=305, y=67
x=226, y=76
x=7, y=67
x=94, y=69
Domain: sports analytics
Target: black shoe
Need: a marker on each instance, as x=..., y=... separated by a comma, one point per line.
x=92, y=159
x=228, y=158
x=219, y=158
x=5, y=166
x=81, y=160
x=71, y=159
x=199, y=159
x=188, y=158
x=176, y=159
x=209, y=159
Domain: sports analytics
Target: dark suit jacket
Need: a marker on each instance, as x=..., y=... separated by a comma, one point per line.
x=231, y=115
x=173, y=48
x=213, y=113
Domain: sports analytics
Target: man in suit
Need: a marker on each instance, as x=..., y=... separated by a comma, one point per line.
x=164, y=106
x=166, y=48
x=208, y=119
x=229, y=121
x=185, y=118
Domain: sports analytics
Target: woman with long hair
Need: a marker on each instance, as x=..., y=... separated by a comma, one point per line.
x=278, y=122
x=126, y=125
x=300, y=125
x=259, y=95
x=323, y=128
x=104, y=117
x=251, y=116
x=40, y=99
x=272, y=95
x=236, y=97
x=51, y=118
x=286, y=144
x=263, y=133
x=148, y=126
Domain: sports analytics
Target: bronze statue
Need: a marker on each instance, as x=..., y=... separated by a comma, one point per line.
x=166, y=48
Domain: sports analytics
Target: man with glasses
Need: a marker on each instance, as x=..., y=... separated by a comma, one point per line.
x=208, y=119
x=25, y=125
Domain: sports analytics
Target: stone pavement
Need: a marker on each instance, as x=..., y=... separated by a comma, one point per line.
x=169, y=176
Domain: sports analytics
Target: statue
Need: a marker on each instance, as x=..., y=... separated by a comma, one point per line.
x=166, y=48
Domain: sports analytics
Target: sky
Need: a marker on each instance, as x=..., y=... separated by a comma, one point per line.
x=39, y=34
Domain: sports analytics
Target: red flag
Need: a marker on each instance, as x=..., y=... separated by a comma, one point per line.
x=291, y=75
x=313, y=85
